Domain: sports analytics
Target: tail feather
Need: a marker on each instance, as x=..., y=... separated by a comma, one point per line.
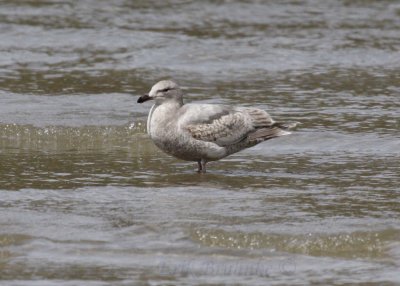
x=276, y=130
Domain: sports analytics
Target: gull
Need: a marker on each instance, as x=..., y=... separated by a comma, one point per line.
x=205, y=132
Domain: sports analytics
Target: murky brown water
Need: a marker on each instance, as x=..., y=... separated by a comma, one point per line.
x=86, y=199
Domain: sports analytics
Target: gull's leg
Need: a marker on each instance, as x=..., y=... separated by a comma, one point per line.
x=200, y=166
x=203, y=165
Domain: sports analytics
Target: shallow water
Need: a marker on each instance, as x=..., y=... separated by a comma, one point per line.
x=87, y=199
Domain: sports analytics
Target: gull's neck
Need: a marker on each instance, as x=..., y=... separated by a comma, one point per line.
x=163, y=112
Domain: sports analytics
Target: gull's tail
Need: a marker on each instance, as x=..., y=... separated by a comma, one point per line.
x=277, y=129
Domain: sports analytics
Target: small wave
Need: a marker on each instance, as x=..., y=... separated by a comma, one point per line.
x=347, y=245
x=62, y=138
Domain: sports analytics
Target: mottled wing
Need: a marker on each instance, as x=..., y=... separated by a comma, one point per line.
x=259, y=117
x=222, y=125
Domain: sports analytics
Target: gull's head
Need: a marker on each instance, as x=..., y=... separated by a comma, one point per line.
x=165, y=90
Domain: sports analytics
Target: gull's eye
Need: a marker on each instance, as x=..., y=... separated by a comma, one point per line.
x=166, y=89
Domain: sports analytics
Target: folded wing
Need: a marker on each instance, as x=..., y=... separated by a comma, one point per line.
x=224, y=125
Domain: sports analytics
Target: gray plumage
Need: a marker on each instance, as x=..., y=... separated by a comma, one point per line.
x=205, y=132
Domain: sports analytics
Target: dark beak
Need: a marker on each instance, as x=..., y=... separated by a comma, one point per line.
x=144, y=98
